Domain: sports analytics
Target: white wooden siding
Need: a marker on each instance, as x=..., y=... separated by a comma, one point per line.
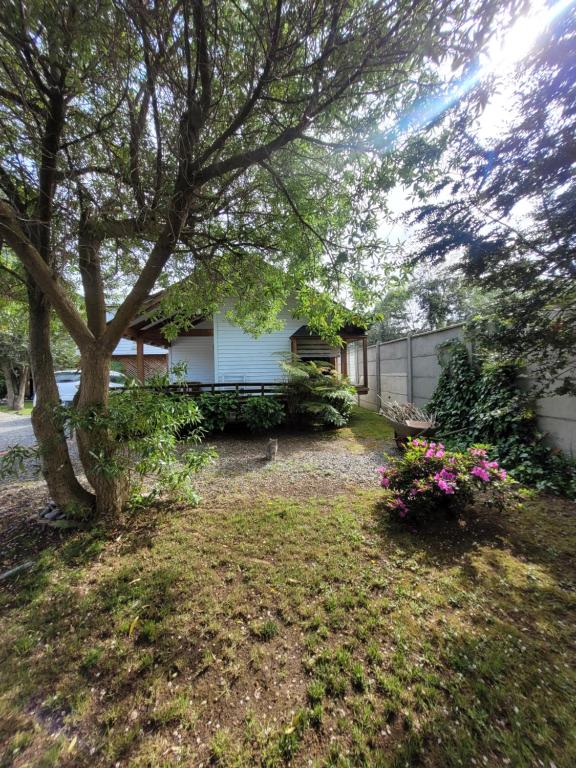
x=198, y=354
x=239, y=356
x=128, y=347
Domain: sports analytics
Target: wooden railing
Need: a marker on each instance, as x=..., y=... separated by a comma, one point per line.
x=241, y=388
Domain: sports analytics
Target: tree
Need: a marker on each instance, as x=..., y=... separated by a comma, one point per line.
x=421, y=301
x=14, y=334
x=507, y=210
x=143, y=139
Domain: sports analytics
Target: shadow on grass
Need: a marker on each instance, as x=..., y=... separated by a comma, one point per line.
x=542, y=533
x=113, y=635
x=50, y=549
x=499, y=696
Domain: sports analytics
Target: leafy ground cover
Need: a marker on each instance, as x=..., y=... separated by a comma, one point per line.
x=262, y=630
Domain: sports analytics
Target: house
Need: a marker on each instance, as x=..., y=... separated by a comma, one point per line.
x=154, y=358
x=216, y=352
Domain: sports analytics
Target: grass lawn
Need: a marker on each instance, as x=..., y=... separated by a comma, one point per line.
x=258, y=631
x=26, y=411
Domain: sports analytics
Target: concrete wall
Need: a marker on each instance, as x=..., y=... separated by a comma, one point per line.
x=407, y=370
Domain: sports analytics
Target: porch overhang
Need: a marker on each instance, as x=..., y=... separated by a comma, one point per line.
x=348, y=334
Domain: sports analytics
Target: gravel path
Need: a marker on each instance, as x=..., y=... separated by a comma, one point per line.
x=15, y=429
x=317, y=465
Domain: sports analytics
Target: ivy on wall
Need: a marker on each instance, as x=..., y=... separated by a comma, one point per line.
x=480, y=401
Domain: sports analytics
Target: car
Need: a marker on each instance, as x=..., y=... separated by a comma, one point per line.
x=68, y=383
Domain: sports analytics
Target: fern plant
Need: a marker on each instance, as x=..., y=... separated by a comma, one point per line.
x=316, y=394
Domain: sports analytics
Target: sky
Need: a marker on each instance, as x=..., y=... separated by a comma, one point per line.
x=500, y=59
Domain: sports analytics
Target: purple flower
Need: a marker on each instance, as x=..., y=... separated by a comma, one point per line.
x=446, y=487
x=446, y=481
x=481, y=473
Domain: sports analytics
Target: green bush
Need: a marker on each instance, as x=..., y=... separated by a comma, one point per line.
x=317, y=395
x=216, y=410
x=142, y=428
x=262, y=413
x=428, y=480
x=479, y=401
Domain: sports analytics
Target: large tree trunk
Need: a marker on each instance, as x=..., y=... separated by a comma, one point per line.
x=97, y=450
x=7, y=371
x=20, y=393
x=57, y=468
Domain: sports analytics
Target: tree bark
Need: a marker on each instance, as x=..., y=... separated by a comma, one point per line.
x=98, y=452
x=21, y=390
x=7, y=371
x=57, y=468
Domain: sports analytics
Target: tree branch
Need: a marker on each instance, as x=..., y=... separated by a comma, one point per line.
x=42, y=275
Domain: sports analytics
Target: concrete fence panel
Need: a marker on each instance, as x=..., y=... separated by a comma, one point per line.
x=407, y=370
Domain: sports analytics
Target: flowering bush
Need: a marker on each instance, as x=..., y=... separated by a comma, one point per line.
x=428, y=479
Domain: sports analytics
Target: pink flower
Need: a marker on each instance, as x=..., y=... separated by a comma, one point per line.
x=446, y=487
x=503, y=474
x=430, y=453
x=478, y=452
x=446, y=481
x=481, y=473
x=384, y=481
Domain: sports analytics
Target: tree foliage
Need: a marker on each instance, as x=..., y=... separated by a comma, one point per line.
x=508, y=210
x=422, y=301
x=143, y=143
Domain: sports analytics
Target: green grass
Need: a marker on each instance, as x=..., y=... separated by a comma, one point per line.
x=272, y=632
x=26, y=411
x=366, y=430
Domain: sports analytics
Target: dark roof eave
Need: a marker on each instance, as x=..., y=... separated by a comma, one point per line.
x=346, y=332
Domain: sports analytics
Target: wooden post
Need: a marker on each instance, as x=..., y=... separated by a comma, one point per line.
x=344, y=359
x=140, y=358
x=294, y=347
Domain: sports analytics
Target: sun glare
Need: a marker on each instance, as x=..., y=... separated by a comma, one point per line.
x=516, y=42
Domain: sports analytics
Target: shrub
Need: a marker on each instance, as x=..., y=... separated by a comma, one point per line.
x=142, y=427
x=216, y=409
x=317, y=395
x=479, y=401
x=261, y=413
x=428, y=480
